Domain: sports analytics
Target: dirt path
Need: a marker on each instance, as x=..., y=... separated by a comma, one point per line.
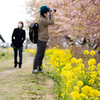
x=27, y=62
x=21, y=84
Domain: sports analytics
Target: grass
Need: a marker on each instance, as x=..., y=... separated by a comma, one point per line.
x=5, y=55
x=23, y=85
x=7, y=59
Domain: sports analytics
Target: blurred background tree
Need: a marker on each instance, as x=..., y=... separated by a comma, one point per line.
x=75, y=17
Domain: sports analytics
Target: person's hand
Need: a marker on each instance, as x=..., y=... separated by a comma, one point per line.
x=53, y=12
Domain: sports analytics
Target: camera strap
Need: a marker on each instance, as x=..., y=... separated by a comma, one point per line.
x=41, y=28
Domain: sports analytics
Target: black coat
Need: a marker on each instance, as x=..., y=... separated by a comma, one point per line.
x=18, y=39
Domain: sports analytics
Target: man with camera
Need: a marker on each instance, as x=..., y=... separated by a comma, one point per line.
x=46, y=18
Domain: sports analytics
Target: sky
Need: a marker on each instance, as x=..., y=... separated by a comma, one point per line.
x=11, y=12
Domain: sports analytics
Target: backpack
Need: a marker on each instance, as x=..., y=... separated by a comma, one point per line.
x=33, y=32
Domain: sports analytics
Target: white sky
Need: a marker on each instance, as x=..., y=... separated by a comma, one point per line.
x=11, y=12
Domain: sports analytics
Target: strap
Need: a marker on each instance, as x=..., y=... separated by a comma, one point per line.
x=41, y=28
x=20, y=32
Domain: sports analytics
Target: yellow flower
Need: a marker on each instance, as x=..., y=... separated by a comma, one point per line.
x=73, y=60
x=98, y=84
x=57, y=45
x=68, y=66
x=98, y=78
x=57, y=70
x=93, y=75
x=98, y=66
x=83, y=96
x=79, y=83
x=92, y=53
x=96, y=99
x=69, y=76
x=95, y=93
x=91, y=81
x=76, y=88
x=62, y=95
x=75, y=95
x=68, y=83
x=48, y=63
x=92, y=68
x=91, y=62
x=86, y=89
x=80, y=60
x=86, y=52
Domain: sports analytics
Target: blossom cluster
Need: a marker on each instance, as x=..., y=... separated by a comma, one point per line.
x=75, y=80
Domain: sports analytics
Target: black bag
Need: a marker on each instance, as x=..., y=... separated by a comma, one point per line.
x=12, y=44
x=33, y=32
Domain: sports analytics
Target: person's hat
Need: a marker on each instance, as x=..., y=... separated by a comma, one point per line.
x=44, y=9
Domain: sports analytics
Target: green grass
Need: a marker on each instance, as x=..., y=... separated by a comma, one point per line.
x=22, y=84
x=7, y=59
x=5, y=55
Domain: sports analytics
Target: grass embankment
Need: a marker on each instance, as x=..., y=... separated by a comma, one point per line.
x=5, y=54
x=76, y=78
x=21, y=84
x=6, y=59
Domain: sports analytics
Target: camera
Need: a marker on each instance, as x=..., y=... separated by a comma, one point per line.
x=53, y=10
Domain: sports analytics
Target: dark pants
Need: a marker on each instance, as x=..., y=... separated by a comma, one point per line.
x=20, y=55
x=41, y=47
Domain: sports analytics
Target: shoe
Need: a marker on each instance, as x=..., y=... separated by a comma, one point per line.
x=35, y=71
x=15, y=64
x=41, y=71
x=20, y=63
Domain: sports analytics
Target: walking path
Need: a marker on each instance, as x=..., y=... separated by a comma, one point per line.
x=28, y=62
x=21, y=84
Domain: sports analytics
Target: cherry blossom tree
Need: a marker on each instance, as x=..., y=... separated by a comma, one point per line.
x=75, y=17
x=78, y=17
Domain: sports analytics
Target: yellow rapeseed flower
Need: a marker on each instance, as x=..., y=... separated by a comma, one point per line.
x=73, y=60
x=92, y=68
x=91, y=81
x=96, y=99
x=75, y=95
x=86, y=52
x=79, y=83
x=69, y=76
x=94, y=93
x=92, y=53
x=84, y=96
x=98, y=78
x=93, y=75
x=76, y=88
x=68, y=83
x=98, y=84
x=57, y=45
x=91, y=62
x=80, y=60
x=86, y=89
x=98, y=66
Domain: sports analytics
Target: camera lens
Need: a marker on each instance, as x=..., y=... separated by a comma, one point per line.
x=54, y=10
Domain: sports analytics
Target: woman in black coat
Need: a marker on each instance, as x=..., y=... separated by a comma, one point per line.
x=18, y=38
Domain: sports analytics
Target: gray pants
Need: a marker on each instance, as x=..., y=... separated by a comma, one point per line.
x=41, y=47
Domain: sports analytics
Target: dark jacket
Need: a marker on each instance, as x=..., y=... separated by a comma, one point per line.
x=18, y=39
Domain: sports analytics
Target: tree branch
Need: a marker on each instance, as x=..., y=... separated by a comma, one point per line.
x=87, y=4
